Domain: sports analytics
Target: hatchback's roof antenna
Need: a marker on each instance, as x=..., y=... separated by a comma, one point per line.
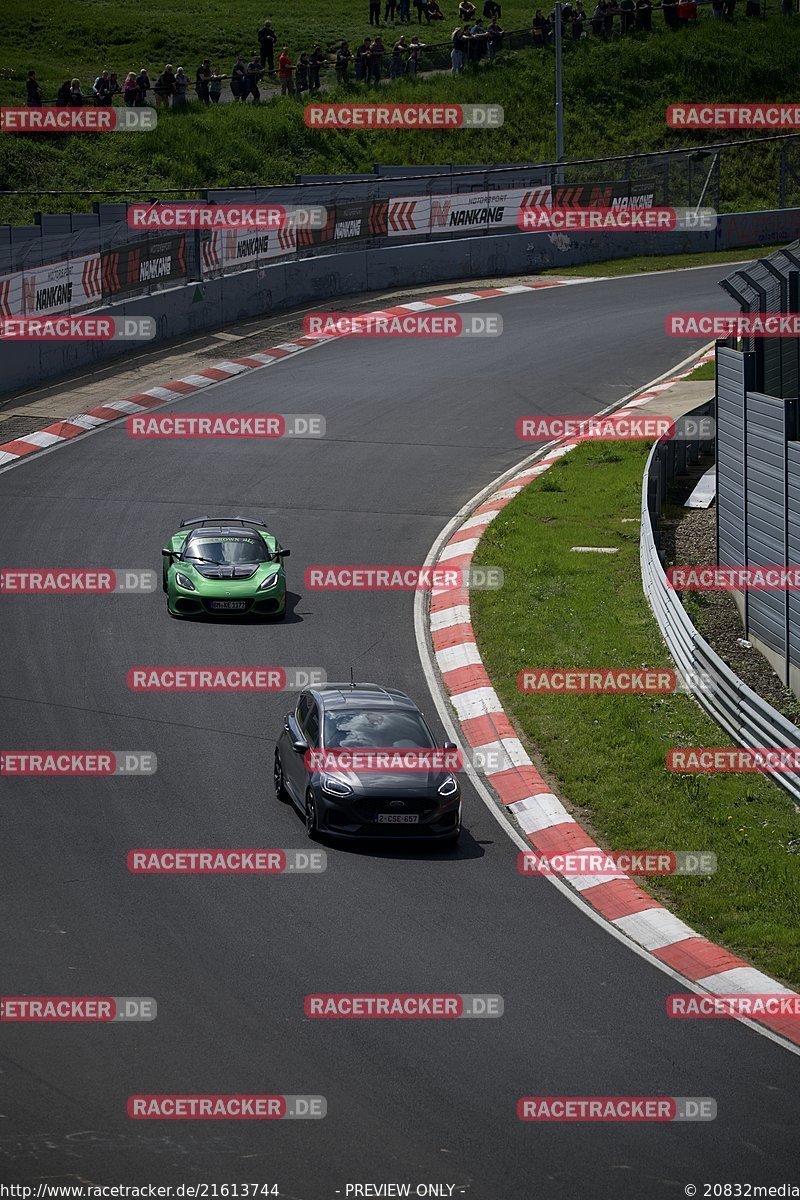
x=352, y=680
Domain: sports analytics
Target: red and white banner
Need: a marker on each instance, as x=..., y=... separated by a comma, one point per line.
x=55, y=287
x=465, y=210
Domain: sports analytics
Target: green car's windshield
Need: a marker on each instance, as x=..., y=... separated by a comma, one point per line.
x=227, y=550
x=379, y=729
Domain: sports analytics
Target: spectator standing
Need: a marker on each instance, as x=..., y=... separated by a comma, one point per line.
x=33, y=92
x=102, y=89
x=130, y=90
x=318, y=61
x=239, y=84
x=422, y=10
x=343, y=60
x=267, y=37
x=364, y=62
x=215, y=87
x=301, y=74
x=396, y=63
x=458, y=58
x=669, y=8
x=375, y=12
x=627, y=16
x=389, y=11
x=579, y=20
x=164, y=87
x=144, y=85
x=253, y=72
x=414, y=49
x=62, y=95
x=494, y=38
x=114, y=85
x=182, y=82
x=202, y=80
x=753, y=9
x=404, y=11
x=608, y=19
x=540, y=28
x=786, y=8
x=644, y=15
x=728, y=8
x=478, y=43
x=285, y=72
x=76, y=99
x=376, y=53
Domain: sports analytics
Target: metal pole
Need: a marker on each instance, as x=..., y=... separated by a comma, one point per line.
x=559, y=99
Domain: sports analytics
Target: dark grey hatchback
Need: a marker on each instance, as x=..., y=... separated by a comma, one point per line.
x=342, y=724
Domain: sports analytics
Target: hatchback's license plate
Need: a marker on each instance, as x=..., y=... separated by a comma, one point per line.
x=228, y=605
x=398, y=818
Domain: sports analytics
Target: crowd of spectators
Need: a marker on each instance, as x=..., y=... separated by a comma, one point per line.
x=474, y=38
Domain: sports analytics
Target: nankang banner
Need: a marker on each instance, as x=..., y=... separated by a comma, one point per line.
x=143, y=266
x=464, y=211
x=225, y=250
x=59, y=287
x=622, y=193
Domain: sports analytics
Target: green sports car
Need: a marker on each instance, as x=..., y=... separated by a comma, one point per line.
x=217, y=566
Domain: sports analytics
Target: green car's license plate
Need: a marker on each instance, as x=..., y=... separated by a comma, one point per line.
x=398, y=818
x=228, y=605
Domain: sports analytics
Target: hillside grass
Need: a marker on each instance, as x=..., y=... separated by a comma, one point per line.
x=615, y=97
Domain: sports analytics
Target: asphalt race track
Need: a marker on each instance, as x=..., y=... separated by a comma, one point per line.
x=414, y=430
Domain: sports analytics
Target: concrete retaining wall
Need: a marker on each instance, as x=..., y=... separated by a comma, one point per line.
x=195, y=307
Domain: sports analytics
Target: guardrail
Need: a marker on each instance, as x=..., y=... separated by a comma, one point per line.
x=743, y=714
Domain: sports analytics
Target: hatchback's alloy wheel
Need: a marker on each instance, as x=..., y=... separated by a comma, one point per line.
x=311, y=816
x=277, y=775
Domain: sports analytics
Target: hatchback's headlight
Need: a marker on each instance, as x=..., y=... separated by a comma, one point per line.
x=269, y=582
x=449, y=787
x=185, y=581
x=336, y=787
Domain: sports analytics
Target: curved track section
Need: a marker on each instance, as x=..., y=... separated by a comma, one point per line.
x=414, y=429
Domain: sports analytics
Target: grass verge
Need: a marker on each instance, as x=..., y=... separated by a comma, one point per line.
x=606, y=753
x=705, y=372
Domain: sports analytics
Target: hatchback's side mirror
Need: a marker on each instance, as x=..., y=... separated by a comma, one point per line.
x=299, y=743
x=450, y=746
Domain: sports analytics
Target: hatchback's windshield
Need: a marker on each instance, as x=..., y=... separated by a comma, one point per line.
x=227, y=549
x=376, y=728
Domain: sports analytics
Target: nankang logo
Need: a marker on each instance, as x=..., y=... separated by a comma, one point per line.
x=52, y=297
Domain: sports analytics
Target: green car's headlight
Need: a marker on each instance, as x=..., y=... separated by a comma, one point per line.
x=184, y=581
x=269, y=582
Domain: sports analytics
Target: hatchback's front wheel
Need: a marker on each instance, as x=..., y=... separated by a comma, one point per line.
x=312, y=827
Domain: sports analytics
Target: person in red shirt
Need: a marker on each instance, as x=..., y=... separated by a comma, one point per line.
x=285, y=72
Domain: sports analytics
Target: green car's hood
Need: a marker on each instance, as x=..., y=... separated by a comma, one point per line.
x=220, y=584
